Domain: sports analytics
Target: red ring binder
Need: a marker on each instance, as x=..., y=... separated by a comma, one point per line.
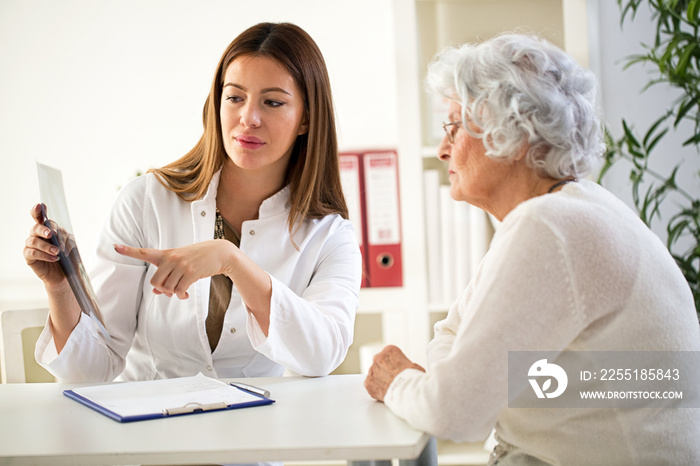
x=371, y=187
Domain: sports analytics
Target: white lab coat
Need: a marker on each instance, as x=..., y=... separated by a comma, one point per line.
x=315, y=293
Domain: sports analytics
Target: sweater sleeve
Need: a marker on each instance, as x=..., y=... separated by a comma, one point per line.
x=522, y=298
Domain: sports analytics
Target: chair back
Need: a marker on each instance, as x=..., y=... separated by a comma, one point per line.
x=12, y=323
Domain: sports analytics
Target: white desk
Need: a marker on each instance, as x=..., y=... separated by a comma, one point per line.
x=328, y=418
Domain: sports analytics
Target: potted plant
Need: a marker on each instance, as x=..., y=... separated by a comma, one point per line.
x=674, y=58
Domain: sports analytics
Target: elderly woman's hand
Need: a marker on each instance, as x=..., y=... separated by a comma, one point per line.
x=387, y=364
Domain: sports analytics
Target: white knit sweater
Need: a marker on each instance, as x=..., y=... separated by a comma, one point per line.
x=574, y=270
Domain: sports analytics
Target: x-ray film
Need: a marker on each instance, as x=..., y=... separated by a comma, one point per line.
x=55, y=216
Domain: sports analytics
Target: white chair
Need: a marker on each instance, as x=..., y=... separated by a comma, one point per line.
x=12, y=323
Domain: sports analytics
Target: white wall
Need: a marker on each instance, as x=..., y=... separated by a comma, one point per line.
x=101, y=89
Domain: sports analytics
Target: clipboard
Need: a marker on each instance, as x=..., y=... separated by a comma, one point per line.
x=54, y=212
x=154, y=399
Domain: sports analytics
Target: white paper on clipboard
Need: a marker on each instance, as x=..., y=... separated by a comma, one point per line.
x=55, y=213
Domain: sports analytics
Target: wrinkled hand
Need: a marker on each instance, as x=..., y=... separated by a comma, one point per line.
x=40, y=254
x=387, y=364
x=179, y=268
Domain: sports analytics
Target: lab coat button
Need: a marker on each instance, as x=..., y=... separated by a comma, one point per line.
x=209, y=368
x=252, y=232
x=233, y=329
x=203, y=214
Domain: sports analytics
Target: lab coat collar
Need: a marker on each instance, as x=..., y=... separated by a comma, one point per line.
x=275, y=204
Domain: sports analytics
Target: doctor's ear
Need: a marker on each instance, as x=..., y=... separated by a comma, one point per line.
x=304, y=127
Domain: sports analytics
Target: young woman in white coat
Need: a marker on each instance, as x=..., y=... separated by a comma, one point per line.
x=236, y=260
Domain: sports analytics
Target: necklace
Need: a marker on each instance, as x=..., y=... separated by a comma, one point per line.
x=561, y=183
x=220, y=233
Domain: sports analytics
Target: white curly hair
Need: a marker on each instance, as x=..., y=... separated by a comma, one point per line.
x=522, y=89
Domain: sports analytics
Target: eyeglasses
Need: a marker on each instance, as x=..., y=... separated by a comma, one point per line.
x=451, y=129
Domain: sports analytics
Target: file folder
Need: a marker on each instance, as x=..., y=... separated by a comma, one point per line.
x=152, y=399
x=382, y=218
x=351, y=181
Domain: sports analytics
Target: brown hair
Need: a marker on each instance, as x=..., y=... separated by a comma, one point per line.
x=313, y=172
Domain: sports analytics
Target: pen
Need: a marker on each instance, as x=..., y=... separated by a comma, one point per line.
x=252, y=389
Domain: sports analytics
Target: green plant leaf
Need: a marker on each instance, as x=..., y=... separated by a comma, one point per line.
x=650, y=133
x=634, y=59
x=656, y=139
x=694, y=140
x=674, y=232
x=629, y=8
x=685, y=106
x=693, y=11
x=685, y=58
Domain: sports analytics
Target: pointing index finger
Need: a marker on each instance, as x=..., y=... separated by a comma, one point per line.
x=149, y=255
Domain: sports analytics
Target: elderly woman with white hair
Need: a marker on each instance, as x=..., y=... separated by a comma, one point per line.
x=570, y=268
